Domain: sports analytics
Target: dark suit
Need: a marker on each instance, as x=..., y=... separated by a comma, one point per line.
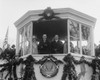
x=97, y=51
x=56, y=47
x=44, y=47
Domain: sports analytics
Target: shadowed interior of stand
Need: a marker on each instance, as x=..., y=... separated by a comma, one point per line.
x=51, y=28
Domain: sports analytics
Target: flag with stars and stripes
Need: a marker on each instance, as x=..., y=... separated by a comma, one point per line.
x=5, y=43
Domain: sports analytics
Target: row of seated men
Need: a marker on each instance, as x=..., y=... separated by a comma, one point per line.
x=47, y=47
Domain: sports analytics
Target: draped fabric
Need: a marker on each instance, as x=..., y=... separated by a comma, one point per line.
x=34, y=48
x=83, y=71
x=65, y=49
x=74, y=30
x=27, y=38
x=85, y=32
x=25, y=41
x=21, y=41
x=29, y=29
x=89, y=45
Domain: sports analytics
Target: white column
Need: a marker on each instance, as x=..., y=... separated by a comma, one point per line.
x=31, y=34
x=80, y=38
x=92, y=41
x=24, y=42
x=68, y=32
x=17, y=42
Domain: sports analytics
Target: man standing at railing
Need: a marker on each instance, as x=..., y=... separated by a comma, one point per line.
x=44, y=45
x=56, y=45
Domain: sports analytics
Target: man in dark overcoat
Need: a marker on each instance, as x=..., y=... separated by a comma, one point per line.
x=44, y=45
x=56, y=45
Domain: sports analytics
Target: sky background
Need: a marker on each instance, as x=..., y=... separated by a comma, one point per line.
x=12, y=10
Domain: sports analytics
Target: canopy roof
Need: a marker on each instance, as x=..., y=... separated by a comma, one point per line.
x=34, y=15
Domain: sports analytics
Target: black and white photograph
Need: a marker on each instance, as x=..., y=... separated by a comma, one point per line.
x=49, y=40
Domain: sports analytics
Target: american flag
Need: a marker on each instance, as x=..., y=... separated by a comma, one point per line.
x=5, y=43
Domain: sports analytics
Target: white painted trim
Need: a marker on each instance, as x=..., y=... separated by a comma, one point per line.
x=31, y=24
x=80, y=36
x=63, y=11
x=68, y=32
x=24, y=42
x=92, y=41
x=17, y=42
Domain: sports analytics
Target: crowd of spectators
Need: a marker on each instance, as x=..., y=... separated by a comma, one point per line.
x=8, y=52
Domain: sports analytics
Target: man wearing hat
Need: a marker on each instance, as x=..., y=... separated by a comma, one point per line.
x=44, y=45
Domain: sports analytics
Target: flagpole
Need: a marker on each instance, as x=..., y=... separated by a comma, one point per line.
x=6, y=38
